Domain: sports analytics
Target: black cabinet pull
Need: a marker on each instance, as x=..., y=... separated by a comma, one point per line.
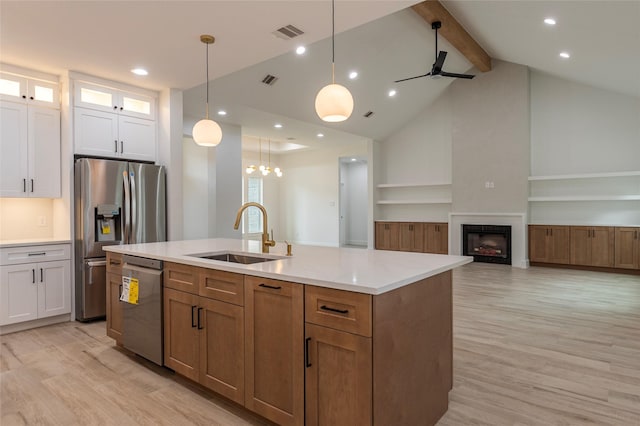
x=193, y=317
x=115, y=107
x=199, y=323
x=307, y=362
x=31, y=97
x=121, y=108
x=121, y=147
x=33, y=276
x=41, y=253
x=116, y=142
x=119, y=291
x=31, y=185
x=340, y=311
x=270, y=286
x=41, y=276
x=24, y=96
x=24, y=185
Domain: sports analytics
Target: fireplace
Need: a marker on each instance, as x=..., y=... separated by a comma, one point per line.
x=487, y=243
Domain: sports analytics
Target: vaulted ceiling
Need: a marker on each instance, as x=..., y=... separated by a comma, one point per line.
x=380, y=39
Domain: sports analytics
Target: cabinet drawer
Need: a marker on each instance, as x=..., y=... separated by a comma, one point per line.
x=221, y=285
x=114, y=263
x=29, y=254
x=181, y=277
x=338, y=309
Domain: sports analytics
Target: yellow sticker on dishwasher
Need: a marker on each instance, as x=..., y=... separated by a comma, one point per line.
x=133, y=291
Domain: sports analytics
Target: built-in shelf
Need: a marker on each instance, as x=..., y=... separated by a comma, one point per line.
x=434, y=201
x=588, y=198
x=411, y=185
x=585, y=176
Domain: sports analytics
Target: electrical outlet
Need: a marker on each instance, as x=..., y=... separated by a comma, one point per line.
x=489, y=184
x=42, y=221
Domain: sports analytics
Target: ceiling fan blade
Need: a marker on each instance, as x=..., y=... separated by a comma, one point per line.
x=450, y=74
x=411, y=78
x=440, y=61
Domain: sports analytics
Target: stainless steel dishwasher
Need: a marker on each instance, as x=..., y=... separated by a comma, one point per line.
x=142, y=322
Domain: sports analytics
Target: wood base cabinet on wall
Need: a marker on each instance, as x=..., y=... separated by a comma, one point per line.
x=592, y=245
x=422, y=237
x=549, y=244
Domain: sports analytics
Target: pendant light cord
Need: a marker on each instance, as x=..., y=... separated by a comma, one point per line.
x=207, y=67
x=333, y=42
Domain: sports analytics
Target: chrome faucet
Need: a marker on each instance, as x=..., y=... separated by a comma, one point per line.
x=266, y=242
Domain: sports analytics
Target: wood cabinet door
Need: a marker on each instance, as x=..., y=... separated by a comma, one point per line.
x=387, y=236
x=436, y=238
x=114, y=306
x=538, y=243
x=181, y=277
x=443, y=230
x=627, y=248
x=411, y=237
x=181, y=339
x=558, y=244
x=338, y=377
x=274, y=350
x=221, y=285
x=581, y=245
x=222, y=348
x=602, y=246
x=379, y=237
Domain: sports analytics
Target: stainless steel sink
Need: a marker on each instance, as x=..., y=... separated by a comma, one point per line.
x=235, y=258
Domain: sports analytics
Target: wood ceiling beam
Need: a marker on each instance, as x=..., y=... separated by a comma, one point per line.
x=433, y=10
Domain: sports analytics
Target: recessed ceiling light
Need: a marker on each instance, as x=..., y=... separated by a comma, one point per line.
x=354, y=159
x=353, y=75
x=300, y=50
x=278, y=126
x=140, y=71
x=320, y=135
x=392, y=92
x=565, y=55
x=222, y=112
x=549, y=21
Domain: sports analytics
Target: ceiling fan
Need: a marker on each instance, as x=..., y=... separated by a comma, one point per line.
x=436, y=69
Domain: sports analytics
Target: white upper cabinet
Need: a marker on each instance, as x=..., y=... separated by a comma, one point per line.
x=113, y=122
x=29, y=136
x=17, y=88
x=102, y=98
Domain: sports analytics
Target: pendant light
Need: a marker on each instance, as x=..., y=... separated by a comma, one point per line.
x=252, y=168
x=207, y=132
x=334, y=102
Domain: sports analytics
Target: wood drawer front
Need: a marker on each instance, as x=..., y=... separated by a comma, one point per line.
x=222, y=285
x=114, y=263
x=338, y=309
x=181, y=277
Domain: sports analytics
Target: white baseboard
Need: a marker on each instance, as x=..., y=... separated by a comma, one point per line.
x=21, y=326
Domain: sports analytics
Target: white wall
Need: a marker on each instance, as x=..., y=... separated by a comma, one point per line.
x=309, y=194
x=20, y=218
x=577, y=128
x=490, y=140
x=195, y=189
x=228, y=170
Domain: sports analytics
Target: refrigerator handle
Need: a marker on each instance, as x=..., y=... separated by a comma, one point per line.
x=127, y=206
x=134, y=213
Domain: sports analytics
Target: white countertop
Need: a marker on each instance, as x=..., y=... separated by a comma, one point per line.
x=32, y=242
x=352, y=269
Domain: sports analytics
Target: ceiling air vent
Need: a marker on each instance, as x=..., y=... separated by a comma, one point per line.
x=270, y=80
x=287, y=32
x=368, y=114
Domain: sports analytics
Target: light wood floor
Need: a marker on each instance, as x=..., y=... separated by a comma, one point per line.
x=531, y=347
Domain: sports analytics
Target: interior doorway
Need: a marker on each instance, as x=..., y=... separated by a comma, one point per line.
x=353, y=202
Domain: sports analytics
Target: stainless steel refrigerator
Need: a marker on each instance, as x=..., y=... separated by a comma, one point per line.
x=116, y=202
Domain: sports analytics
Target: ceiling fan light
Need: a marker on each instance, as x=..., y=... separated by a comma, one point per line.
x=207, y=133
x=334, y=103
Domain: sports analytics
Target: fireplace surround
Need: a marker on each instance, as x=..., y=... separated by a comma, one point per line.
x=487, y=243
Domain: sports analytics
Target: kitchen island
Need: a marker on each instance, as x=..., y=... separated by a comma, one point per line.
x=325, y=336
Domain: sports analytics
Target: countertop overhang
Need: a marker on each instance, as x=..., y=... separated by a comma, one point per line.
x=352, y=269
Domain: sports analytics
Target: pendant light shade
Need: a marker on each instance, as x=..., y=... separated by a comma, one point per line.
x=207, y=132
x=334, y=102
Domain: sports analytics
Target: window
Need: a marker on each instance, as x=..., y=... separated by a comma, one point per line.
x=253, y=217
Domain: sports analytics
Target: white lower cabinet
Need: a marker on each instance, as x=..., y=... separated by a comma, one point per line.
x=34, y=290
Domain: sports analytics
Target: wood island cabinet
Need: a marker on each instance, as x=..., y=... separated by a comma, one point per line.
x=274, y=335
x=549, y=244
x=114, y=289
x=592, y=246
x=203, y=337
x=627, y=248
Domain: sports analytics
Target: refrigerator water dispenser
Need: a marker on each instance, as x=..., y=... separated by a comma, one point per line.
x=108, y=223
